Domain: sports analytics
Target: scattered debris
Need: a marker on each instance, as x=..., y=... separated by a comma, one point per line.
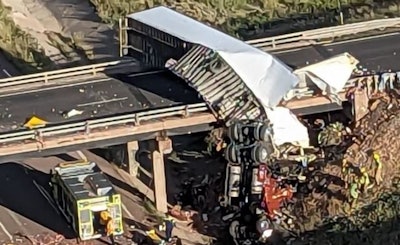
x=71, y=113
x=35, y=122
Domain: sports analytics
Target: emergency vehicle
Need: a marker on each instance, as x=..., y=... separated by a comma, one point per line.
x=81, y=192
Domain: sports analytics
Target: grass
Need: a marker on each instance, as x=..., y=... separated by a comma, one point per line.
x=19, y=47
x=234, y=16
x=76, y=51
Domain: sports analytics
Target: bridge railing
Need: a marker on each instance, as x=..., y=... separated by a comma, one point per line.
x=45, y=77
x=321, y=35
x=102, y=123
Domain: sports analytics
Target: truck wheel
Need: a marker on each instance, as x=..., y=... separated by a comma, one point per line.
x=259, y=154
x=262, y=133
x=233, y=132
x=231, y=154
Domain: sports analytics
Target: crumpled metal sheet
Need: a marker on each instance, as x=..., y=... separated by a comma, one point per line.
x=218, y=84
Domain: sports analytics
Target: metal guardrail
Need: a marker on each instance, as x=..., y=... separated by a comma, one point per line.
x=322, y=35
x=102, y=123
x=45, y=77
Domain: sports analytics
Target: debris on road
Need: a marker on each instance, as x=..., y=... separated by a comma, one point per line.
x=71, y=113
x=35, y=122
x=43, y=239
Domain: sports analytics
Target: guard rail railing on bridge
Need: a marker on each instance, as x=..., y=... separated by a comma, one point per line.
x=198, y=112
x=63, y=76
x=321, y=35
x=149, y=121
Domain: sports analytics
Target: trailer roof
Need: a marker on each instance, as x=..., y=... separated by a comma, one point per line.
x=84, y=180
x=265, y=75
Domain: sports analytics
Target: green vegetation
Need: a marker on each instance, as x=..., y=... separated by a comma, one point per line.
x=73, y=48
x=19, y=47
x=230, y=15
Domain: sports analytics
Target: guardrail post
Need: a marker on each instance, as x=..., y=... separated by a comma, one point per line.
x=87, y=128
x=137, y=119
x=46, y=78
x=39, y=140
x=94, y=70
x=187, y=112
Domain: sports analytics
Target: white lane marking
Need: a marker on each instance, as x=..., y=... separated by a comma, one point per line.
x=363, y=39
x=146, y=73
x=7, y=73
x=14, y=217
x=130, y=216
x=56, y=87
x=46, y=195
x=339, y=43
x=102, y=102
x=82, y=155
x=6, y=232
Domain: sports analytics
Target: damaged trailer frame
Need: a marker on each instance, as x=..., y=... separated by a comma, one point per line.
x=235, y=79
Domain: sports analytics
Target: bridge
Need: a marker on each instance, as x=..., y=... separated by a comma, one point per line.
x=50, y=93
x=120, y=103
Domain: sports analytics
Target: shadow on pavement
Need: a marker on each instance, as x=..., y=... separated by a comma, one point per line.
x=157, y=89
x=19, y=193
x=125, y=186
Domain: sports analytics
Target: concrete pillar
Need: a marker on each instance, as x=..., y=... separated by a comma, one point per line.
x=133, y=165
x=163, y=146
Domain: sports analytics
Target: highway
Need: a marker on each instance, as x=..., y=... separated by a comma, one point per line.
x=99, y=98
x=20, y=185
x=379, y=53
x=132, y=93
x=6, y=68
x=26, y=207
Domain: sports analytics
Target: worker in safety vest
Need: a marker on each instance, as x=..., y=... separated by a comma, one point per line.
x=107, y=221
x=167, y=226
x=110, y=230
x=104, y=217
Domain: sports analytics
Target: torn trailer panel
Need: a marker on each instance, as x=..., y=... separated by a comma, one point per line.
x=329, y=77
x=218, y=84
x=265, y=76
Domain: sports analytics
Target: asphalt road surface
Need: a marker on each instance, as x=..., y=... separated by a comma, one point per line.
x=6, y=68
x=23, y=207
x=379, y=53
x=27, y=208
x=128, y=93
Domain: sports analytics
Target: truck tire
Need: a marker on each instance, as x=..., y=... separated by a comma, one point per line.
x=231, y=154
x=233, y=132
x=259, y=154
x=262, y=133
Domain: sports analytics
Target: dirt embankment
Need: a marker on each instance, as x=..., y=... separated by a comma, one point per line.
x=69, y=32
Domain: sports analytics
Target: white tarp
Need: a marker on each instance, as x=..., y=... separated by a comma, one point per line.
x=287, y=128
x=266, y=76
x=331, y=74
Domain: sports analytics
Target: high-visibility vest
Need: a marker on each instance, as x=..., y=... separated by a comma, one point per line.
x=104, y=216
x=110, y=227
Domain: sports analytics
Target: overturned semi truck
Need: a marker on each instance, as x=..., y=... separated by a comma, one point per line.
x=246, y=89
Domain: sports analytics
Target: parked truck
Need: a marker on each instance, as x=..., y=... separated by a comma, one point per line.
x=81, y=192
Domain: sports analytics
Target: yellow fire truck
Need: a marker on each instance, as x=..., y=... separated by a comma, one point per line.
x=81, y=191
